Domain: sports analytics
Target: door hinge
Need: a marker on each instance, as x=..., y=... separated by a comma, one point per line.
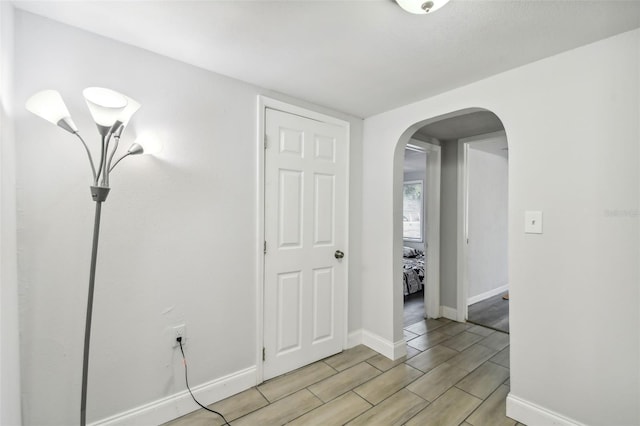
x=265, y=142
x=265, y=247
x=264, y=354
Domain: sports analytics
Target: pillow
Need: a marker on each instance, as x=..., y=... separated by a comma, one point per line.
x=409, y=252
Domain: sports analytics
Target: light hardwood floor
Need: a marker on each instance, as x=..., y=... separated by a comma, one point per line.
x=454, y=374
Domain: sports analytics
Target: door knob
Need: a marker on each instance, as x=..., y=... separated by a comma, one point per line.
x=338, y=254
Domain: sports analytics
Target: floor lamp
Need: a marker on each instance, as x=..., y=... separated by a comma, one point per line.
x=111, y=111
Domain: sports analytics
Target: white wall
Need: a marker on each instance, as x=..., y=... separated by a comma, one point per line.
x=449, y=224
x=488, y=177
x=178, y=238
x=572, y=125
x=10, y=407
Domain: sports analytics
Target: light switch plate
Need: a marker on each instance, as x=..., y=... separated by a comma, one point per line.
x=533, y=222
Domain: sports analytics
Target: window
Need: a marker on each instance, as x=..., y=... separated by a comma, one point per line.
x=412, y=211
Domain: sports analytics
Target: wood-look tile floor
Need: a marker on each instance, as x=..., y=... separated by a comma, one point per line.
x=454, y=374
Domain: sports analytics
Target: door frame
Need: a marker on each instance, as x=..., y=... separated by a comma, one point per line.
x=265, y=102
x=462, y=310
x=431, y=227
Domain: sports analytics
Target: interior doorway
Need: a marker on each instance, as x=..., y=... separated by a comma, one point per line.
x=303, y=235
x=447, y=132
x=413, y=233
x=421, y=230
x=484, y=171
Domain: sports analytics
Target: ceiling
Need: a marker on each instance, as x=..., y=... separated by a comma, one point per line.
x=462, y=126
x=414, y=161
x=454, y=128
x=361, y=57
x=496, y=147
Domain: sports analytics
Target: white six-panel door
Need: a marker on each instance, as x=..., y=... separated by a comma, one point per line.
x=305, y=225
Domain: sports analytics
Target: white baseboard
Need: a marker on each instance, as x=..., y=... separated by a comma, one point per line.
x=392, y=350
x=487, y=294
x=449, y=313
x=179, y=404
x=399, y=349
x=531, y=414
x=354, y=339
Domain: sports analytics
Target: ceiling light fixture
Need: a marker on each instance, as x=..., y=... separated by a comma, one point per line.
x=421, y=7
x=111, y=111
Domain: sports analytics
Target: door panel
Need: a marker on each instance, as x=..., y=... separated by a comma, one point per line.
x=323, y=211
x=323, y=309
x=288, y=312
x=290, y=211
x=305, y=223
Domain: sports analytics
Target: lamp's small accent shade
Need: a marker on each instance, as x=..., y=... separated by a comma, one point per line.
x=151, y=142
x=135, y=149
x=48, y=104
x=421, y=7
x=105, y=105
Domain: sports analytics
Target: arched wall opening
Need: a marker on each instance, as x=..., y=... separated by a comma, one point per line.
x=459, y=281
x=573, y=155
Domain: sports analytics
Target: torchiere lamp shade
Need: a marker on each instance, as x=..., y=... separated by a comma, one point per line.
x=105, y=106
x=49, y=105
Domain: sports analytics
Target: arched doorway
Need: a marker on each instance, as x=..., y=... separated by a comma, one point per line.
x=446, y=290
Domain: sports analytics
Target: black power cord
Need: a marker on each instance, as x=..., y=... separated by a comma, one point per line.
x=186, y=380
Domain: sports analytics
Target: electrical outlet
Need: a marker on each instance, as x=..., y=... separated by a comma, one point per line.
x=179, y=331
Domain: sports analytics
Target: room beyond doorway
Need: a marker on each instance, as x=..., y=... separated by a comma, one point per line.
x=421, y=227
x=453, y=133
x=414, y=231
x=413, y=308
x=492, y=313
x=483, y=229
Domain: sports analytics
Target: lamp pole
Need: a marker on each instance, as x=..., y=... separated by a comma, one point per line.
x=111, y=111
x=99, y=195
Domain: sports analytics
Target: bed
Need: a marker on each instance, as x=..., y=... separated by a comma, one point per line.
x=413, y=270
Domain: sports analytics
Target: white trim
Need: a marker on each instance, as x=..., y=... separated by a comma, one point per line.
x=434, y=170
x=399, y=349
x=462, y=286
x=265, y=102
x=463, y=220
x=179, y=404
x=347, y=265
x=487, y=294
x=449, y=313
x=354, y=339
x=432, y=210
x=392, y=350
x=260, y=238
x=303, y=112
x=529, y=413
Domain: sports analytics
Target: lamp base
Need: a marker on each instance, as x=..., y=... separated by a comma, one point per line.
x=99, y=193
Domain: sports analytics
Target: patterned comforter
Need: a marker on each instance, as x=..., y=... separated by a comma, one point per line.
x=413, y=274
